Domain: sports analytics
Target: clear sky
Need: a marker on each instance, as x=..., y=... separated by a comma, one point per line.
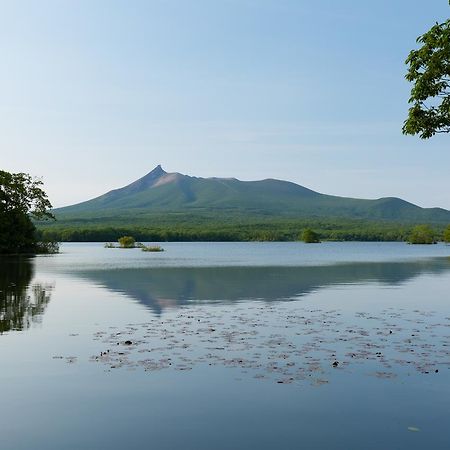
x=95, y=93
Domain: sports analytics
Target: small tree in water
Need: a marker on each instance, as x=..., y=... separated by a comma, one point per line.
x=127, y=242
x=310, y=237
x=422, y=234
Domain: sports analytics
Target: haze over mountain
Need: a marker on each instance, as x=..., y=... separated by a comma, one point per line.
x=161, y=192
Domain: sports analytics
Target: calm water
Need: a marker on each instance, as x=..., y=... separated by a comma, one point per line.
x=227, y=346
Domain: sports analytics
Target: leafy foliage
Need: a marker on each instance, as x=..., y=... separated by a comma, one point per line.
x=127, y=242
x=429, y=71
x=310, y=237
x=21, y=193
x=20, y=197
x=447, y=235
x=422, y=234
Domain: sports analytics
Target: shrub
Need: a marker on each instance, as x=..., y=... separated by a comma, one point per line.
x=422, y=234
x=310, y=237
x=126, y=242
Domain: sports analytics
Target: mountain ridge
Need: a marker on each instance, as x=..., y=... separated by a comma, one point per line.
x=162, y=192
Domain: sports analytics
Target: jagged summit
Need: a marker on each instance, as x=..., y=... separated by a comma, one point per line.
x=145, y=182
x=153, y=175
x=156, y=172
x=161, y=192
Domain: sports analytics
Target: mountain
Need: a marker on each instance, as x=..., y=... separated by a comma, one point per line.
x=160, y=192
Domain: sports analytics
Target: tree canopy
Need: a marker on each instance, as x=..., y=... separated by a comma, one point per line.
x=429, y=71
x=127, y=242
x=422, y=234
x=22, y=193
x=310, y=237
x=21, y=198
x=447, y=235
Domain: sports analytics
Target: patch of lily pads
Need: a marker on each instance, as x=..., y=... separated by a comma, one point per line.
x=283, y=343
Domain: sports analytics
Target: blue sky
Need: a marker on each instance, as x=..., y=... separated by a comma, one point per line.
x=94, y=94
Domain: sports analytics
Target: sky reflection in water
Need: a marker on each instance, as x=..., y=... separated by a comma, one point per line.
x=225, y=357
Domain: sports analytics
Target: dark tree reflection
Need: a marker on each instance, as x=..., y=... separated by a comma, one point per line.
x=21, y=303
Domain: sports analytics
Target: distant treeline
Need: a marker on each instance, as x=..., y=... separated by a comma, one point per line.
x=282, y=230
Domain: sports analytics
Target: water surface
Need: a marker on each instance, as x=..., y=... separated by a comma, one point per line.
x=227, y=345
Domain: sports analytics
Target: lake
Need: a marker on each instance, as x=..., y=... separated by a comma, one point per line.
x=227, y=346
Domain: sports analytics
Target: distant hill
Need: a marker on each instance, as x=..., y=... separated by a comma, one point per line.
x=160, y=192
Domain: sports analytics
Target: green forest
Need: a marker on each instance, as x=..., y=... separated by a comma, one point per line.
x=179, y=228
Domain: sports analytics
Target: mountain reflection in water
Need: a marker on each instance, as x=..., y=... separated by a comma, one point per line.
x=21, y=301
x=159, y=288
